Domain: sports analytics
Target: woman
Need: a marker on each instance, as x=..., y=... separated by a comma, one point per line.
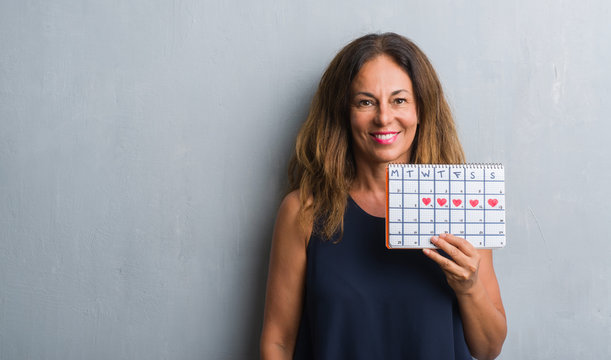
x=334, y=291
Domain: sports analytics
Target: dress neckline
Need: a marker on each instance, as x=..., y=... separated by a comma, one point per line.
x=363, y=211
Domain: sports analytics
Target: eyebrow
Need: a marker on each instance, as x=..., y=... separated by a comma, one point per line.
x=371, y=95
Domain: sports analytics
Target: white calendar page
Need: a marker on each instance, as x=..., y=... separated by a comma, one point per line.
x=424, y=200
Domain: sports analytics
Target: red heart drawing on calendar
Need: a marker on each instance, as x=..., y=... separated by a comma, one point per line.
x=473, y=203
x=426, y=201
x=457, y=202
x=492, y=202
x=441, y=201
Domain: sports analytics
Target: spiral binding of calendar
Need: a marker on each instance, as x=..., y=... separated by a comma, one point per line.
x=466, y=165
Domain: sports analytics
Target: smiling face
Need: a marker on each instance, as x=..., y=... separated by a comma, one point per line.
x=383, y=115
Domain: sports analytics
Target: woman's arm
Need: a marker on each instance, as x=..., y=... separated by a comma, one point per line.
x=471, y=275
x=285, y=282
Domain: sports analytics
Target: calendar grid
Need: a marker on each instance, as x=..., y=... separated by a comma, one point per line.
x=410, y=206
x=465, y=202
x=402, y=215
x=418, y=206
x=484, y=186
x=434, y=202
x=449, y=200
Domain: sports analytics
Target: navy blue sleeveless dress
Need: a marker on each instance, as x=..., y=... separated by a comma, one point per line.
x=363, y=301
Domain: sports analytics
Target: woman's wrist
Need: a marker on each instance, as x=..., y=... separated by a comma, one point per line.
x=476, y=293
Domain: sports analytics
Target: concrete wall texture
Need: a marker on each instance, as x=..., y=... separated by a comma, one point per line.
x=143, y=152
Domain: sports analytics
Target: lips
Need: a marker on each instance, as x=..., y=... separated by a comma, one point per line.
x=385, y=137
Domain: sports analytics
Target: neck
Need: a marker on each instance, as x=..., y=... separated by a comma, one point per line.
x=369, y=188
x=370, y=178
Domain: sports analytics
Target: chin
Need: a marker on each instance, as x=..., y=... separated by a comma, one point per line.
x=400, y=158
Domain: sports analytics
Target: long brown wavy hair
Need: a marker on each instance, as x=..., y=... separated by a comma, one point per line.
x=323, y=166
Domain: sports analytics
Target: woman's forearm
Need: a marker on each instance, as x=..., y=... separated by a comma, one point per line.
x=484, y=325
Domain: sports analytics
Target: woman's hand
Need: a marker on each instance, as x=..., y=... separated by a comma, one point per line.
x=471, y=274
x=463, y=267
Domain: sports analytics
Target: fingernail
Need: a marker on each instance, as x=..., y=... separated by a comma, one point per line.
x=434, y=239
x=426, y=251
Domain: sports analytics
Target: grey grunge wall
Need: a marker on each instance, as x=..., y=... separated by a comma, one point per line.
x=143, y=153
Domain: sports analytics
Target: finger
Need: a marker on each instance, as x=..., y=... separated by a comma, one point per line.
x=455, y=253
x=465, y=246
x=446, y=264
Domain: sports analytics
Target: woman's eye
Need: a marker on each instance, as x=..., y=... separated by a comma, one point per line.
x=400, y=101
x=365, y=103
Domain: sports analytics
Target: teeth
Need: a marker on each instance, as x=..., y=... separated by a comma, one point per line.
x=384, y=136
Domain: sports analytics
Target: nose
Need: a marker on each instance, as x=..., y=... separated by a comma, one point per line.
x=384, y=115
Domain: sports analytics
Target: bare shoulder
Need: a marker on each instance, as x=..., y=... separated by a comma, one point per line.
x=290, y=203
x=288, y=221
x=293, y=201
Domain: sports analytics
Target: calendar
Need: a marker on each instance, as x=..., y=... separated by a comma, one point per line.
x=424, y=200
